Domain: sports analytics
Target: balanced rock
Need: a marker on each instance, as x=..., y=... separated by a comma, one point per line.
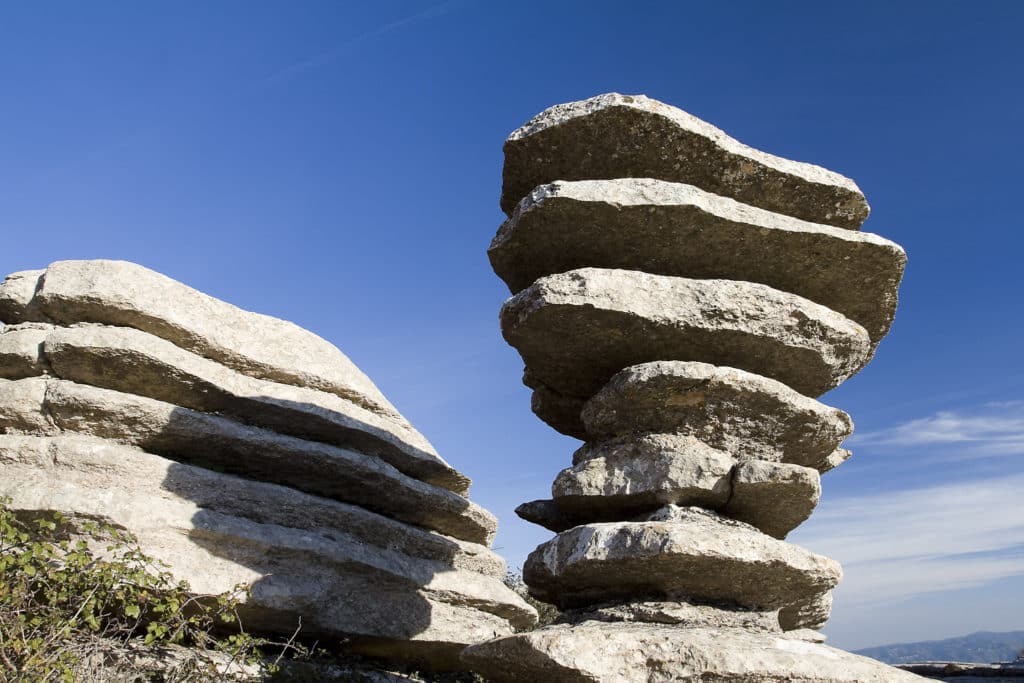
x=596, y=652
x=683, y=552
x=632, y=136
x=575, y=330
x=677, y=229
x=746, y=415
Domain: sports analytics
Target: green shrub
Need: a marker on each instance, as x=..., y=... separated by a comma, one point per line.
x=69, y=586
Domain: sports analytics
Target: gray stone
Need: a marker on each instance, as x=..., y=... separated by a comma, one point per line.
x=547, y=514
x=623, y=477
x=774, y=497
x=810, y=613
x=597, y=652
x=128, y=295
x=16, y=297
x=136, y=362
x=49, y=406
x=676, y=613
x=746, y=415
x=682, y=552
x=339, y=584
x=676, y=229
x=21, y=351
x=623, y=136
x=557, y=410
x=575, y=330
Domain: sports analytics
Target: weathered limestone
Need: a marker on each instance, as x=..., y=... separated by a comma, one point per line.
x=624, y=477
x=679, y=301
x=300, y=564
x=676, y=229
x=136, y=362
x=687, y=552
x=213, y=441
x=632, y=136
x=240, y=449
x=575, y=330
x=774, y=497
x=653, y=653
x=129, y=295
x=746, y=415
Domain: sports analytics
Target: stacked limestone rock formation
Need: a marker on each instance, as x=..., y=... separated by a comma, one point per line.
x=242, y=449
x=680, y=300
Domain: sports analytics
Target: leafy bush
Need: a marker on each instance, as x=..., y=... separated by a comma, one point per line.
x=70, y=586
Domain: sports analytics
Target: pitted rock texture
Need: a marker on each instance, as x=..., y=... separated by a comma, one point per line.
x=648, y=653
x=300, y=553
x=633, y=136
x=128, y=295
x=623, y=477
x=136, y=362
x=675, y=613
x=677, y=229
x=681, y=552
x=575, y=330
x=774, y=497
x=746, y=415
x=242, y=449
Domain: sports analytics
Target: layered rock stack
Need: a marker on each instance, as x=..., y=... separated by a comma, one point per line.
x=679, y=301
x=242, y=449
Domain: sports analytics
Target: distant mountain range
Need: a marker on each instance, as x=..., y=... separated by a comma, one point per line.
x=984, y=647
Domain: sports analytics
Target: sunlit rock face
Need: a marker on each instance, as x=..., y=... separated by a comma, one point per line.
x=680, y=300
x=242, y=449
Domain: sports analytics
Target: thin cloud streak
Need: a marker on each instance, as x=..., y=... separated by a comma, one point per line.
x=998, y=430
x=900, y=544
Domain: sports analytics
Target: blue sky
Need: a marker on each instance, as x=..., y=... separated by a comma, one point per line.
x=339, y=165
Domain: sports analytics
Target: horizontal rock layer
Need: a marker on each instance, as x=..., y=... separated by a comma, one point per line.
x=675, y=613
x=774, y=497
x=344, y=571
x=575, y=330
x=646, y=653
x=681, y=552
x=746, y=415
x=49, y=406
x=128, y=295
x=136, y=362
x=676, y=229
x=624, y=136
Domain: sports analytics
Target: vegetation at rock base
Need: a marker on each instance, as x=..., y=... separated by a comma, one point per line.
x=75, y=593
x=547, y=613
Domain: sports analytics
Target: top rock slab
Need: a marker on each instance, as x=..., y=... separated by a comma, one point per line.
x=623, y=136
x=128, y=295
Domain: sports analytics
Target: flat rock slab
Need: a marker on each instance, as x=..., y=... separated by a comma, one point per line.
x=548, y=514
x=42, y=406
x=136, y=362
x=693, y=553
x=646, y=653
x=633, y=136
x=194, y=521
x=809, y=614
x=622, y=477
x=774, y=497
x=676, y=229
x=749, y=416
x=128, y=295
x=675, y=613
x=575, y=330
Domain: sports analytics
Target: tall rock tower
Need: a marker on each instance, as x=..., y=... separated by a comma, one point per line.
x=680, y=299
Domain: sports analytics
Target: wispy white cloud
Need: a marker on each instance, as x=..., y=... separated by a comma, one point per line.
x=900, y=544
x=995, y=429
